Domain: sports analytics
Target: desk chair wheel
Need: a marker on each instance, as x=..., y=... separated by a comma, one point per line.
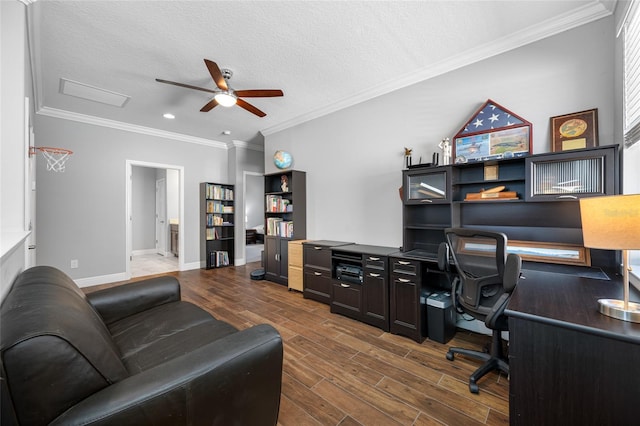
x=450, y=356
x=473, y=387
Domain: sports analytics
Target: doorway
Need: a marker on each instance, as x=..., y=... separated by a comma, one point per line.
x=155, y=207
x=254, y=216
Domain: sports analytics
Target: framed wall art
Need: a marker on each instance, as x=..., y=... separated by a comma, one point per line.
x=574, y=131
x=493, y=132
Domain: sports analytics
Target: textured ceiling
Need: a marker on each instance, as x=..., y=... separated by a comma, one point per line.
x=324, y=55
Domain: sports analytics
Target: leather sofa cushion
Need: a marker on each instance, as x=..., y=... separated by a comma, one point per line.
x=147, y=339
x=56, y=349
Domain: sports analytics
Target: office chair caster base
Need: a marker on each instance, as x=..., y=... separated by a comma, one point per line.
x=450, y=356
x=474, y=388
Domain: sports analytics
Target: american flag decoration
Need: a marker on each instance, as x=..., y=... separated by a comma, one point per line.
x=493, y=132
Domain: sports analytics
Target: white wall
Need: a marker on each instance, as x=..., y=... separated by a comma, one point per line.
x=13, y=89
x=354, y=157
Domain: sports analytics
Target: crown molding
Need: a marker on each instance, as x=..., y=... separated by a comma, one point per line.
x=246, y=145
x=577, y=17
x=96, y=121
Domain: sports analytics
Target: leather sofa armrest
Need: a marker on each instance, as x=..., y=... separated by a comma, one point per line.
x=121, y=301
x=234, y=380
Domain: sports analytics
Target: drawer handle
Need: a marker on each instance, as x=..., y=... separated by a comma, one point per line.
x=317, y=274
x=402, y=280
x=317, y=248
x=570, y=197
x=402, y=262
x=345, y=285
x=374, y=275
x=374, y=258
x=426, y=201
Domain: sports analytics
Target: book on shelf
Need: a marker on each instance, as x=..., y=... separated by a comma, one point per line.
x=213, y=234
x=219, y=258
x=218, y=192
x=277, y=204
x=214, y=220
x=280, y=228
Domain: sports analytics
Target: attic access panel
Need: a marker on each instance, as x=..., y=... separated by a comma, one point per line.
x=492, y=133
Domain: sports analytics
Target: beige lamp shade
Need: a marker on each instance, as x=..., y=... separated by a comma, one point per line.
x=611, y=222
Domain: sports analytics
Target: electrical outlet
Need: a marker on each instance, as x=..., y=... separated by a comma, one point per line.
x=74, y=263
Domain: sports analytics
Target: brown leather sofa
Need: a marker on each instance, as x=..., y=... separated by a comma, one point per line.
x=134, y=354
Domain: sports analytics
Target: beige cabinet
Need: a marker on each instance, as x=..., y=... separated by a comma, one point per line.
x=295, y=265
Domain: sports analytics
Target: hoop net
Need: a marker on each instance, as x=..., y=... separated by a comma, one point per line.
x=56, y=157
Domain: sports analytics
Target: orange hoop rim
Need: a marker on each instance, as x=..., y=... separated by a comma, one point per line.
x=50, y=149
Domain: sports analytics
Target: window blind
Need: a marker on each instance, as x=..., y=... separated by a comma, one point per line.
x=632, y=76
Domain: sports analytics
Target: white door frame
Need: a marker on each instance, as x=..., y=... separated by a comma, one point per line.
x=244, y=206
x=129, y=203
x=162, y=227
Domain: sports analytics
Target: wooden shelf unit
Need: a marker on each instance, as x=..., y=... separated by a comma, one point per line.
x=217, y=212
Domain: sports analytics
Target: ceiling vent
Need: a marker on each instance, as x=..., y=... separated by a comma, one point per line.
x=91, y=93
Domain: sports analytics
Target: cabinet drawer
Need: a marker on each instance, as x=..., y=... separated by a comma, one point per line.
x=346, y=299
x=317, y=256
x=317, y=284
x=295, y=253
x=375, y=262
x=406, y=267
x=295, y=278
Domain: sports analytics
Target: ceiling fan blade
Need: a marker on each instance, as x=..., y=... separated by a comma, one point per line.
x=188, y=86
x=209, y=106
x=216, y=74
x=259, y=93
x=246, y=105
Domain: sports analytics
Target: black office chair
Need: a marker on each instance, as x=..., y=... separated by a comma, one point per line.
x=485, y=279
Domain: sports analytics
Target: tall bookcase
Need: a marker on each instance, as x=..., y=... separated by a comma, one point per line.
x=216, y=225
x=285, y=220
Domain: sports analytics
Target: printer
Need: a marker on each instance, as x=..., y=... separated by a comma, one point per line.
x=349, y=273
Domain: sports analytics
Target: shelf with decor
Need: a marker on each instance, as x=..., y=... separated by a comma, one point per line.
x=217, y=225
x=285, y=219
x=540, y=204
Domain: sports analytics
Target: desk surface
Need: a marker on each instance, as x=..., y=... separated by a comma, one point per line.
x=571, y=302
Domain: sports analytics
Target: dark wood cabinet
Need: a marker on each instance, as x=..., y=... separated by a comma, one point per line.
x=285, y=220
x=216, y=225
x=316, y=257
x=407, y=310
x=276, y=259
x=365, y=298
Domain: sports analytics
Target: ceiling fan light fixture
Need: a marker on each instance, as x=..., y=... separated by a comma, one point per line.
x=226, y=99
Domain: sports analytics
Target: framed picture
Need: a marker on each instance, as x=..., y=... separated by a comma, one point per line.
x=492, y=133
x=574, y=131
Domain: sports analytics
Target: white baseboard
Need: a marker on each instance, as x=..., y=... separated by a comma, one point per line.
x=145, y=251
x=102, y=279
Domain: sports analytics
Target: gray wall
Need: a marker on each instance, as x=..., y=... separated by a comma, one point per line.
x=354, y=157
x=254, y=203
x=81, y=212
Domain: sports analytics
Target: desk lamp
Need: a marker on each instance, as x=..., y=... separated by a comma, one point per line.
x=613, y=223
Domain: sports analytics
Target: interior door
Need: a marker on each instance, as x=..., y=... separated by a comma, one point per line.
x=161, y=216
x=30, y=198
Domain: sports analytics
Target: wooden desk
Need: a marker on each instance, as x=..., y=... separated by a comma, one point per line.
x=569, y=364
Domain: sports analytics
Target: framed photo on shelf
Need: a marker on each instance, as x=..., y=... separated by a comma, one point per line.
x=574, y=131
x=492, y=133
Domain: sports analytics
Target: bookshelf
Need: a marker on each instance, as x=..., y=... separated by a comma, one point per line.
x=216, y=224
x=285, y=205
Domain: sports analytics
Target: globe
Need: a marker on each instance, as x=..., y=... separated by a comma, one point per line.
x=282, y=159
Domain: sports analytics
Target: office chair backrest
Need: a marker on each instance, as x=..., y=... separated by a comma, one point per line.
x=484, y=273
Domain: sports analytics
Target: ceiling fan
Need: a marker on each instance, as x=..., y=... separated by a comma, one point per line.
x=224, y=95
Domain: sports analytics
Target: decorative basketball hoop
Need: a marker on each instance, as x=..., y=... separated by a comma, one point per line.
x=56, y=157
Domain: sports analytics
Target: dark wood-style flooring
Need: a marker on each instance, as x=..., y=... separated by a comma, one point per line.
x=338, y=371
